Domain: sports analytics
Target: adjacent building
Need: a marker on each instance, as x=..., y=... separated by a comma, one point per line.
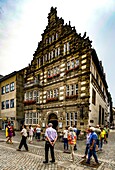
x=11, y=99
x=65, y=82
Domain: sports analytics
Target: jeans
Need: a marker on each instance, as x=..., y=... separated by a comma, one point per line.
x=65, y=143
x=86, y=149
x=90, y=153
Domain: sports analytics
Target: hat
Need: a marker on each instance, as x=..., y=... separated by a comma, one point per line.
x=70, y=128
x=97, y=126
x=92, y=129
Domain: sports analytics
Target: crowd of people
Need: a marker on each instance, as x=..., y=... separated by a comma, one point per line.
x=95, y=138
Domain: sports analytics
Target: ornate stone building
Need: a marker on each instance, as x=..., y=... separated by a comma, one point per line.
x=65, y=83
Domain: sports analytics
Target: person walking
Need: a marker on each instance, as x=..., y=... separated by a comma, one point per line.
x=38, y=133
x=102, y=137
x=87, y=142
x=92, y=147
x=31, y=133
x=10, y=133
x=23, y=140
x=76, y=131
x=50, y=137
x=65, y=138
x=71, y=140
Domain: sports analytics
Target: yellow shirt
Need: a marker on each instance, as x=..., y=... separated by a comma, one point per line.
x=103, y=133
x=6, y=132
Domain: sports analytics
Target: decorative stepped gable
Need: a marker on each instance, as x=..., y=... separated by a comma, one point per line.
x=55, y=25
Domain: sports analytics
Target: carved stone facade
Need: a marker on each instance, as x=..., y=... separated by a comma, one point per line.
x=65, y=83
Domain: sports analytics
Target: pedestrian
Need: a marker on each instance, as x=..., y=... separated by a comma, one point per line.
x=38, y=133
x=87, y=142
x=107, y=133
x=92, y=147
x=76, y=131
x=50, y=137
x=71, y=140
x=10, y=133
x=65, y=139
x=31, y=133
x=102, y=137
x=23, y=140
x=98, y=132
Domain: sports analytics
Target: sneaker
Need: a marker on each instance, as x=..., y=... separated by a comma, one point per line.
x=18, y=149
x=88, y=163
x=45, y=162
x=96, y=163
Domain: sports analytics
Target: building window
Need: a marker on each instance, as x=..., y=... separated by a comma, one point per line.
x=46, y=57
x=75, y=118
x=31, y=118
x=58, y=51
x=12, y=103
x=77, y=62
x=67, y=90
x=51, y=93
x=48, y=94
x=68, y=65
x=52, y=38
x=49, y=40
x=67, y=119
x=3, y=105
x=72, y=89
x=7, y=88
x=93, y=96
x=3, y=90
x=55, y=52
x=97, y=77
x=71, y=119
x=27, y=96
x=66, y=47
x=72, y=64
x=12, y=86
x=76, y=89
x=35, y=95
x=38, y=97
x=57, y=92
x=56, y=36
x=7, y=104
x=30, y=95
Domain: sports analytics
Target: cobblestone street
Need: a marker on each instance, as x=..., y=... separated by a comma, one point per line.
x=10, y=159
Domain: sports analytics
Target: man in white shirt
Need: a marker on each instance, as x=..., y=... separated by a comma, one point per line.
x=23, y=140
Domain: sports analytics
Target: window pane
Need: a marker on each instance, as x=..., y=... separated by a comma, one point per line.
x=7, y=104
x=12, y=103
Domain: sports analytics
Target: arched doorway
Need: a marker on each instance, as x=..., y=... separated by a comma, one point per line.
x=53, y=119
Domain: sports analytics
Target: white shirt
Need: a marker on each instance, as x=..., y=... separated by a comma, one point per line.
x=24, y=132
x=38, y=130
x=65, y=133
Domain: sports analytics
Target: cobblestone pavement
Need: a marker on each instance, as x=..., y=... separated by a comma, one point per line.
x=10, y=159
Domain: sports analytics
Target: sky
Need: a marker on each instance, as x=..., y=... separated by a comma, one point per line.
x=23, y=21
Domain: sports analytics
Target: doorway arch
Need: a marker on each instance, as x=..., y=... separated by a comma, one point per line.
x=54, y=120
